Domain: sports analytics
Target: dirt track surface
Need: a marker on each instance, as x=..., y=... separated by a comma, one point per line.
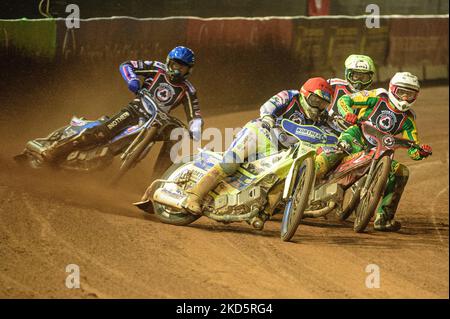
x=48, y=221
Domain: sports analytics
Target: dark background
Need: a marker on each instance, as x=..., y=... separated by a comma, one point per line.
x=212, y=8
x=231, y=72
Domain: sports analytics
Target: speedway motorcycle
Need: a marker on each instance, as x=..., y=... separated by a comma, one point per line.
x=358, y=182
x=281, y=180
x=132, y=144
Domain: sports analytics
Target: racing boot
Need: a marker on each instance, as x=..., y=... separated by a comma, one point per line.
x=383, y=223
x=389, y=203
x=87, y=137
x=385, y=215
x=207, y=183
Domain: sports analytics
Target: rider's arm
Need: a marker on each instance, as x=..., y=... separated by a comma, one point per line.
x=131, y=69
x=409, y=131
x=190, y=102
x=192, y=109
x=360, y=100
x=277, y=104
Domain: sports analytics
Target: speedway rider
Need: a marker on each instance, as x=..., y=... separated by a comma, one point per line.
x=261, y=137
x=389, y=112
x=167, y=84
x=359, y=73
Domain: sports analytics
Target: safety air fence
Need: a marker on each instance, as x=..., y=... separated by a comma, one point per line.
x=258, y=49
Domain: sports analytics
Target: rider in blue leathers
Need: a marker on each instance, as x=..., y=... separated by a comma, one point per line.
x=168, y=85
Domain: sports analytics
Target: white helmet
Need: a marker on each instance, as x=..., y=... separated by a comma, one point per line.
x=403, y=90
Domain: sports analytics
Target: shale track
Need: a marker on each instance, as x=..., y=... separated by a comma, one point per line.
x=50, y=220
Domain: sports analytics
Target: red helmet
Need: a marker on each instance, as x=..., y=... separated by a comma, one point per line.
x=315, y=97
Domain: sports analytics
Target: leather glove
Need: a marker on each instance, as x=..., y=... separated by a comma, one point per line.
x=351, y=118
x=267, y=122
x=195, y=127
x=134, y=85
x=419, y=154
x=425, y=150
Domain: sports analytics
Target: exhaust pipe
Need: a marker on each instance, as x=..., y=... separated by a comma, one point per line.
x=232, y=218
x=320, y=212
x=173, y=200
x=164, y=197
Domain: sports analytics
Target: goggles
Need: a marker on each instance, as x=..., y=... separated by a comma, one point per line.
x=317, y=102
x=362, y=77
x=404, y=94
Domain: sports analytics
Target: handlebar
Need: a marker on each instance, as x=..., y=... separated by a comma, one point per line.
x=340, y=122
x=156, y=113
x=339, y=119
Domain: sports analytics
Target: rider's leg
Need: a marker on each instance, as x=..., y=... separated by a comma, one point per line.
x=211, y=179
x=325, y=161
x=247, y=143
x=98, y=134
x=208, y=182
x=398, y=177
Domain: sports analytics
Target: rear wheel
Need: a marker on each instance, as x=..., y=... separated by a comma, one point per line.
x=294, y=210
x=169, y=215
x=367, y=205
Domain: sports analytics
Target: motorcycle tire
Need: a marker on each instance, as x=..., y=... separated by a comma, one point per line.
x=294, y=210
x=367, y=205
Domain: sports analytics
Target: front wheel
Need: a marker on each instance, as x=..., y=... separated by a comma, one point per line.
x=296, y=206
x=367, y=205
x=134, y=156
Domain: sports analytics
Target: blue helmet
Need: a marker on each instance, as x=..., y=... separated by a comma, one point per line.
x=183, y=55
